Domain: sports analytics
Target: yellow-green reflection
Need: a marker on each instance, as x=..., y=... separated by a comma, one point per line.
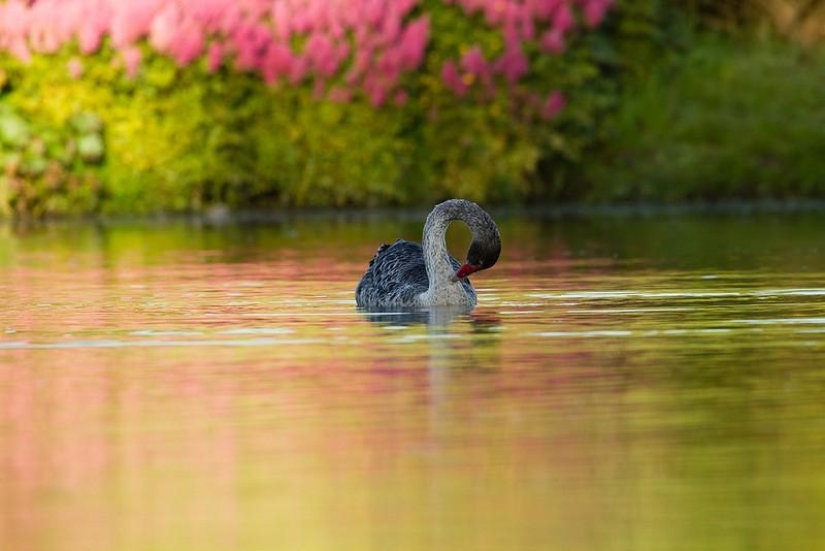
x=619, y=387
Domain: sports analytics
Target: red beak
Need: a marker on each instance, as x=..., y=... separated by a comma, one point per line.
x=465, y=270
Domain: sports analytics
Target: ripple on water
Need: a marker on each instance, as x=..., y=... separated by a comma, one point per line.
x=170, y=343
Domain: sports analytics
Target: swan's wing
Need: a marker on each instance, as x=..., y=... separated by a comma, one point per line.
x=396, y=276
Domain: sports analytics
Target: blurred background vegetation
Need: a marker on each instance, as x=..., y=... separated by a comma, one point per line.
x=663, y=101
x=725, y=101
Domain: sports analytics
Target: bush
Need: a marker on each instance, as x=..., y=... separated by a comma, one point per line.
x=410, y=101
x=47, y=169
x=728, y=120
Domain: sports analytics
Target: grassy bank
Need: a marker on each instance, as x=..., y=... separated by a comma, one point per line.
x=731, y=118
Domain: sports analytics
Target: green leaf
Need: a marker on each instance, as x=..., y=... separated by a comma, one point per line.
x=13, y=129
x=86, y=123
x=90, y=147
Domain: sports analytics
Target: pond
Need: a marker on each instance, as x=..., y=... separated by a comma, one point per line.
x=627, y=381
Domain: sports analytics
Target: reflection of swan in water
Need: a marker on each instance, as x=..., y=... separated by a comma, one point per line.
x=407, y=274
x=434, y=317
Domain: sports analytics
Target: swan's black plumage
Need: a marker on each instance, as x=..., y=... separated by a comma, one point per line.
x=397, y=275
x=408, y=274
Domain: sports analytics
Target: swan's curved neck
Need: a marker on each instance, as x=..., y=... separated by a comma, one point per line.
x=440, y=270
x=436, y=256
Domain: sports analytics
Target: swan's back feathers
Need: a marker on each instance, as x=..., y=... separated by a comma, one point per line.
x=396, y=276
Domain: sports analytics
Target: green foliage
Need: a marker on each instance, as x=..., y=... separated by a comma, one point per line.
x=493, y=149
x=295, y=150
x=462, y=147
x=49, y=168
x=727, y=120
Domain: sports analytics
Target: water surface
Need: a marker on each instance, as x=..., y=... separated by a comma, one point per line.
x=626, y=382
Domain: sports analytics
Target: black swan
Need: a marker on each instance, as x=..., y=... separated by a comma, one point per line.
x=407, y=274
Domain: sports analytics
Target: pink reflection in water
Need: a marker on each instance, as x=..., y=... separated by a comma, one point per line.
x=175, y=444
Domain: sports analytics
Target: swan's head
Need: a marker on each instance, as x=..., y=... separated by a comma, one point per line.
x=483, y=253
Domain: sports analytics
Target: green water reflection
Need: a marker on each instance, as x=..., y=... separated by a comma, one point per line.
x=625, y=383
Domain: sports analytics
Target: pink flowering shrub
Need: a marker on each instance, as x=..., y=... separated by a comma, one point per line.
x=307, y=101
x=341, y=46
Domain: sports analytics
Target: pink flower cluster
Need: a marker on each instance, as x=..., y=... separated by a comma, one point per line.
x=340, y=45
x=546, y=22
